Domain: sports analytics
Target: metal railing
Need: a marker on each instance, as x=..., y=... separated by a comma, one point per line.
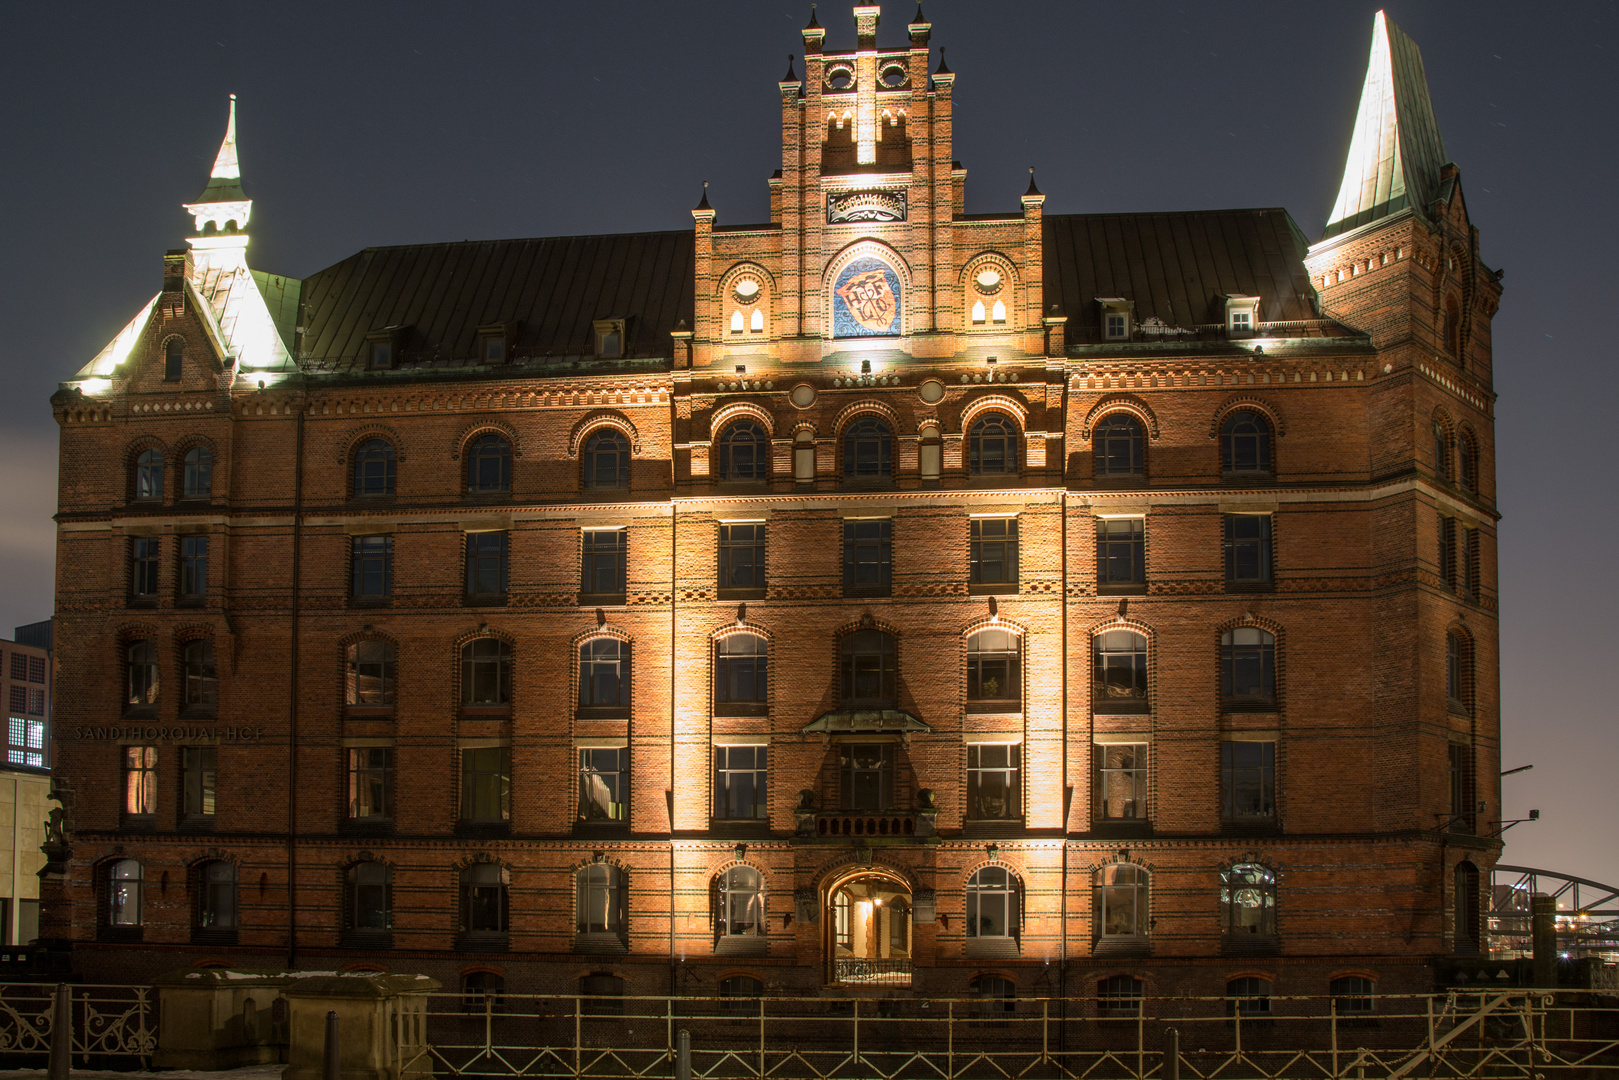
x=110, y=1026
x=1484, y=1035
x=861, y=971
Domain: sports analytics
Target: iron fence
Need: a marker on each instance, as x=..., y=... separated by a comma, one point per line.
x=1482, y=1034
x=111, y=1026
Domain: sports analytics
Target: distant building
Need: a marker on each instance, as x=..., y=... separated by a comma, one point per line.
x=877, y=596
x=25, y=782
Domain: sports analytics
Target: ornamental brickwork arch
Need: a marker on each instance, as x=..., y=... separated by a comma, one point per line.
x=591, y=422
x=1126, y=403
x=1239, y=402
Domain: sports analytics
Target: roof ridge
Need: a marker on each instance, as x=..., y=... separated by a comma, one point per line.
x=521, y=240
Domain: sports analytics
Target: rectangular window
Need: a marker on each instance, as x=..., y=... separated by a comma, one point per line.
x=19, y=665
x=868, y=554
x=604, y=783
x=1118, y=326
x=19, y=699
x=36, y=703
x=373, y=567
x=1463, y=792
x=1467, y=564
x=604, y=562
x=486, y=565
x=143, y=555
x=1121, y=781
x=140, y=781
x=193, y=567
x=1248, y=780
x=867, y=776
x=36, y=669
x=486, y=783
x=382, y=355
x=1121, y=553
x=739, y=783
x=994, y=781
x=992, y=544
x=1247, y=549
x=26, y=740
x=742, y=556
x=197, y=781
x=1447, y=551
x=371, y=782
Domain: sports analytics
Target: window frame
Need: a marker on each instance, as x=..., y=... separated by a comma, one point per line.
x=1236, y=881
x=1105, y=447
x=489, y=450
x=369, y=767
x=1106, y=702
x=1235, y=772
x=597, y=553
x=475, y=670
x=371, y=568
x=736, y=537
x=355, y=665
x=596, y=767
x=1010, y=774
x=1136, y=772
x=201, y=687
x=476, y=908
x=199, y=784
x=138, y=686
x=486, y=785
x=382, y=454
x=1107, y=555
x=146, y=479
x=1236, y=655
x=140, y=773
x=355, y=890
x=1240, y=550
x=145, y=560
x=982, y=542
x=123, y=893
x=878, y=542
x=191, y=584
x=730, y=664
x=1007, y=441
x=596, y=453
x=741, y=887
x=758, y=771
x=1111, y=887
x=609, y=897
x=856, y=651
x=852, y=774
x=868, y=436
x=1232, y=464
x=978, y=655
x=486, y=561
x=216, y=880
x=594, y=661
x=197, y=476
x=743, y=429
x=1008, y=892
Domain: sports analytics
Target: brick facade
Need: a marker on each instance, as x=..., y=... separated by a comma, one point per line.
x=1362, y=837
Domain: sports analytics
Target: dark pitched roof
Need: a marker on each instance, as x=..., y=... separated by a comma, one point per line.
x=1177, y=268
x=551, y=289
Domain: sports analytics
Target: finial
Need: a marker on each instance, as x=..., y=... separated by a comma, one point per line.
x=791, y=76
x=704, y=204
x=1032, y=189
x=920, y=18
x=813, y=25
x=943, y=68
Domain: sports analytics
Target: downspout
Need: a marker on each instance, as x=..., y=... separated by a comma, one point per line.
x=1062, y=946
x=292, y=701
x=673, y=596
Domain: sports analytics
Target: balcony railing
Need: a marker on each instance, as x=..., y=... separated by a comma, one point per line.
x=851, y=823
x=858, y=971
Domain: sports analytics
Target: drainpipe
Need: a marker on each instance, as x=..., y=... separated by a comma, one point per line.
x=292, y=700
x=674, y=550
x=1067, y=791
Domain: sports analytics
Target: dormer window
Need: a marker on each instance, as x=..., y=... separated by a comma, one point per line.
x=609, y=338
x=1115, y=318
x=382, y=348
x=382, y=355
x=1241, y=315
x=492, y=342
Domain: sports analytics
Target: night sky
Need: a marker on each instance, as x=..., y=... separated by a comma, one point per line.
x=413, y=122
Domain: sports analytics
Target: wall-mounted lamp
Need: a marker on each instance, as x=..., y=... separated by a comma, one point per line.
x=865, y=367
x=742, y=369
x=990, y=360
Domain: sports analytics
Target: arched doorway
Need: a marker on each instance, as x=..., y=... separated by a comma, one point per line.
x=868, y=929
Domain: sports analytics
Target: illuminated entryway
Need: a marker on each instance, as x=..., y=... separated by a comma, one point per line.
x=868, y=930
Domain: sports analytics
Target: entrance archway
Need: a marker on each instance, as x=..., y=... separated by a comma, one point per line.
x=868, y=929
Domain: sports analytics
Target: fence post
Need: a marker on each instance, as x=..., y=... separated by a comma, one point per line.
x=576, y=1025
x=1045, y=1032
x=329, y=1060
x=1172, y=1055
x=61, y=1034
x=857, y=1031
x=683, y=1055
x=761, y=1039
x=950, y=1040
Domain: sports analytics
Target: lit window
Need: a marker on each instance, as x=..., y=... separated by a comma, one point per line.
x=1121, y=903
x=604, y=783
x=994, y=781
x=994, y=672
x=1248, y=901
x=1121, y=781
x=992, y=553
x=140, y=781
x=126, y=887
x=993, y=904
x=740, y=774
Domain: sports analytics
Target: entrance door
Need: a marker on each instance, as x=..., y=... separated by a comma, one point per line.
x=869, y=932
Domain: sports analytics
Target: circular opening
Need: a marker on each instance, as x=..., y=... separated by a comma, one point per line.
x=929, y=431
x=840, y=78
x=746, y=289
x=803, y=395
x=894, y=75
x=988, y=278
x=931, y=391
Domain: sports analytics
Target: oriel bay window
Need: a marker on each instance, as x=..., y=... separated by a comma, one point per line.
x=994, y=672
x=1121, y=555
x=994, y=781
x=992, y=548
x=1248, y=781
x=604, y=678
x=486, y=785
x=866, y=776
x=1121, y=781
x=1120, y=666
x=741, y=675
x=868, y=557
x=604, y=784
x=740, y=788
x=486, y=567
x=742, y=559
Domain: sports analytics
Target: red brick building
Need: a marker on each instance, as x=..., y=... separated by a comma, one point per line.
x=879, y=595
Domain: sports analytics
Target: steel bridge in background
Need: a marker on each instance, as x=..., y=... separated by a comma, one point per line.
x=1587, y=914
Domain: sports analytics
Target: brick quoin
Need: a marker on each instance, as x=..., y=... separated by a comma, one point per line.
x=1359, y=345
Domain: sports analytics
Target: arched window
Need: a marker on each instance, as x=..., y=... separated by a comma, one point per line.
x=1352, y=995
x=1248, y=996
x=741, y=670
x=1120, y=671
x=483, y=992
x=756, y=321
x=369, y=889
x=149, y=476
x=868, y=448
x=868, y=667
x=126, y=884
x=603, y=993
x=1441, y=450
x=1248, y=665
x=993, y=904
x=1456, y=670
x=484, y=888
x=992, y=446
x=489, y=465
x=216, y=896
x=201, y=686
x=599, y=900
x=997, y=312
x=607, y=459
x=1120, y=995
x=1119, y=446
x=1121, y=904
x=1453, y=328
x=736, y=991
x=486, y=672
x=994, y=995
x=141, y=662
x=741, y=909
x=173, y=350
x=1466, y=462
x=370, y=674
x=1467, y=908
x=1248, y=901
x=604, y=673
x=1245, y=443
x=978, y=313
x=994, y=671
x=374, y=469
x=197, y=474
x=744, y=452
x=736, y=322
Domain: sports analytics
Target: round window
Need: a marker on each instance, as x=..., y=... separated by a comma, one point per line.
x=746, y=289
x=840, y=78
x=931, y=391
x=803, y=395
x=989, y=279
x=894, y=75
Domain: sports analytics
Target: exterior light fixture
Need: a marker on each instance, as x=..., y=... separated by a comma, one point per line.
x=865, y=367
x=991, y=360
x=741, y=852
x=742, y=369
x=994, y=852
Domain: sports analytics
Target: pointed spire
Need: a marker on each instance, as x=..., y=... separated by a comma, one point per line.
x=943, y=68
x=1395, y=153
x=704, y=204
x=813, y=25
x=791, y=76
x=920, y=18
x=223, y=204
x=1032, y=189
